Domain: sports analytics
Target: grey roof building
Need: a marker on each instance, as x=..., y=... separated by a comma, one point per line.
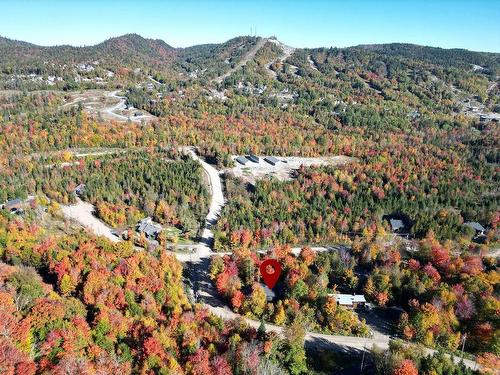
x=242, y=160
x=349, y=300
x=14, y=204
x=79, y=189
x=397, y=225
x=271, y=160
x=149, y=228
x=476, y=226
x=253, y=158
x=270, y=295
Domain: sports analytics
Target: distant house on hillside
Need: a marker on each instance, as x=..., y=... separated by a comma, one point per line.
x=14, y=205
x=79, y=189
x=270, y=295
x=242, y=160
x=397, y=226
x=350, y=301
x=149, y=228
x=478, y=228
x=271, y=160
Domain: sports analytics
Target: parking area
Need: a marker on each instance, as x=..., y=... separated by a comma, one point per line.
x=254, y=167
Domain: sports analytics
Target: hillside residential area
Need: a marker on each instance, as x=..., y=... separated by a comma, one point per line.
x=144, y=188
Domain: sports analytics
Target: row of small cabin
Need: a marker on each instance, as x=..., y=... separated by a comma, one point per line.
x=243, y=160
x=398, y=226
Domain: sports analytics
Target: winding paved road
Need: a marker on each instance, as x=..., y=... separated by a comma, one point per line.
x=110, y=111
x=199, y=264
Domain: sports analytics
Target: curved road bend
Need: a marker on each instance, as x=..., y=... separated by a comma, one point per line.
x=121, y=105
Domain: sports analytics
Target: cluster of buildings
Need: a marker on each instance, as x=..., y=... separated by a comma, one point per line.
x=401, y=228
x=480, y=111
x=243, y=160
x=18, y=205
x=146, y=226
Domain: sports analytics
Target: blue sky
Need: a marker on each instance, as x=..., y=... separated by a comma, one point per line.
x=471, y=24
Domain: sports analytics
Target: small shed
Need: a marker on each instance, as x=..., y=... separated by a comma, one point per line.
x=271, y=160
x=478, y=228
x=253, y=158
x=242, y=160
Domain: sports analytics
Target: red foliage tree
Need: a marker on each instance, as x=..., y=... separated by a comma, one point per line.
x=406, y=367
x=199, y=363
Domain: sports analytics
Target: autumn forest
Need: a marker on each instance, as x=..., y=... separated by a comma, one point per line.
x=138, y=130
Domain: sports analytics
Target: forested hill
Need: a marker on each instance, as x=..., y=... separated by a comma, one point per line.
x=128, y=49
x=455, y=57
x=132, y=50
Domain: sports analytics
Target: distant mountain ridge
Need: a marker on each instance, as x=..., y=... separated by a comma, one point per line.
x=155, y=49
x=133, y=51
x=433, y=54
x=127, y=48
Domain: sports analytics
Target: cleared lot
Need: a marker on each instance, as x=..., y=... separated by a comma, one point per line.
x=108, y=104
x=83, y=213
x=252, y=171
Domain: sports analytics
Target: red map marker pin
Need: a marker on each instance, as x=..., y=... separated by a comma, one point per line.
x=270, y=269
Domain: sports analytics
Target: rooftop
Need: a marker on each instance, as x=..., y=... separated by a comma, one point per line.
x=271, y=159
x=13, y=202
x=149, y=227
x=397, y=224
x=475, y=225
x=242, y=160
x=270, y=295
x=349, y=299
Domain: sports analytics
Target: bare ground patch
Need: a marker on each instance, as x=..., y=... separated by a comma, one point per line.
x=284, y=168
x=108, y=104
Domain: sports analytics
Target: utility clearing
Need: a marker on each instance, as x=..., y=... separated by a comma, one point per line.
x=249, y=56
x=287, y=52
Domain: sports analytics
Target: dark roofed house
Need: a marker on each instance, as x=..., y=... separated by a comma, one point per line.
x=397, y=225
x=242, y=160
x=79, y=189
x=270, y=295
x=253, y=158
x=149, y=228
x=14, y=205
x=271, y=160
x=478, y=228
